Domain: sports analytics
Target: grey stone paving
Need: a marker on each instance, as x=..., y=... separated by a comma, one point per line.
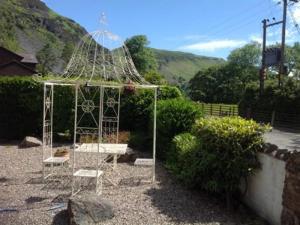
x=284, y=139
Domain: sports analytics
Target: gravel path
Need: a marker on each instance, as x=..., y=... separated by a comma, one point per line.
x=27, y=200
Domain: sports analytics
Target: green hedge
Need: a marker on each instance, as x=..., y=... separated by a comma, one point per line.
x=285, y=99
x=183, y=158
x=21, y=100
x=136, y=107
x=21, y=114
x=217, y=154
x=174, y=116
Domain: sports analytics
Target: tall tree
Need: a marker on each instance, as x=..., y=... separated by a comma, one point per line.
x=142, y=56
x=47, y=58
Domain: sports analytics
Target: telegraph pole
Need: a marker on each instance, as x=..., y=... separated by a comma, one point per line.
x=282, y=58
x=281, y=71
x=263, y=61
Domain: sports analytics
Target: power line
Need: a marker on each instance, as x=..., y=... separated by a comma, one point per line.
x=222, y=27
x=296, y=25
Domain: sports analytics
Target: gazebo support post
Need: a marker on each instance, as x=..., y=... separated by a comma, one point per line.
x=74, y=137
x=154, y=135
x=44, y=147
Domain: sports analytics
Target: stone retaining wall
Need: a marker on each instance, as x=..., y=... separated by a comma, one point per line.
x=274, y=191
x=291, y=193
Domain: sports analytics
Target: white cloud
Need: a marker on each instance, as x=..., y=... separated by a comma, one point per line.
x=193, y=37
x=256, y=38
x=211, y=46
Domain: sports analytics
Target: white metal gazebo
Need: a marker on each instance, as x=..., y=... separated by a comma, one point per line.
x=99, y=69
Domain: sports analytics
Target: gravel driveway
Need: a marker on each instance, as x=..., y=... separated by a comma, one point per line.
x=24, y=199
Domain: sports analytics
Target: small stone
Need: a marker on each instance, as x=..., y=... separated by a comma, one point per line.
x=129, y=156
x=29, y=142
x=269, y=148
x=89, y=209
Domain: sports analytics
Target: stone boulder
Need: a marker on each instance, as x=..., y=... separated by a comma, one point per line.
x=29, y=142
x=128, y=157
x=89, y=209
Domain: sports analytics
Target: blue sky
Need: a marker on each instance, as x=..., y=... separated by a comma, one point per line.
x=206, y=27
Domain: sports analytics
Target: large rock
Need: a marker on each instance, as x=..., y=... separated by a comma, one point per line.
x=129, y=156
x=89, y=209
x=29, y=142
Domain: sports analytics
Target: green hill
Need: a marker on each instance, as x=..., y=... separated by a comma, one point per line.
x=28, y=25
x=175, y=65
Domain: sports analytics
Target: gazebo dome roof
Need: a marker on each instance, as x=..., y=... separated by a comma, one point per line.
x=102, y=56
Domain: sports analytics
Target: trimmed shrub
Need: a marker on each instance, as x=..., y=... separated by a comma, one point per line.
x=21, y=114
x=136, y=107
x=183, y=158
x=21, y=101
x=229, y=151
x=174, y=116
x=217, y=155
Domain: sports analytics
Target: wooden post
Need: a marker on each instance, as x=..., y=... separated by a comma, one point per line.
x=273, y=118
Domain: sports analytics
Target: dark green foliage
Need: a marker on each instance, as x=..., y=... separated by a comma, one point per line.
x=226, y=83
x=218, y=154
x=154, y=77
x=174, y=116
x=136, y=107
x=22, y=107
x=229, y=151
x=184, y=157
x=284, y=100
x=47, y=59
x=21, y=114
x=142, y=56
x=21, y=101
x=216, y=85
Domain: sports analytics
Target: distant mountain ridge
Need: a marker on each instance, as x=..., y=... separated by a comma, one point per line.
x=175, y=65
x=28, y=25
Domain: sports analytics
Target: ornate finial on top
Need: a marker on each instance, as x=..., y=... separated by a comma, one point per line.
x=103, y=19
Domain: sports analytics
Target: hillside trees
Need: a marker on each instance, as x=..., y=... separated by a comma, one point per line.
x=142, y=56
x=226, y=83
x=47, y=58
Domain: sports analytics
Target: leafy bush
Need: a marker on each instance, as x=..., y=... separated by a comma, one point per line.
x=21, y=101
x=183, y=159
x=217, y=154
x=229, y=151
x=285, y=99
x=136, y=107
x=21, y=113
x=174, y=116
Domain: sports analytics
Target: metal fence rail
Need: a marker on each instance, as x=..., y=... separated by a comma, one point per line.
x=219, y=109
x=276, y=119
x=289, y=121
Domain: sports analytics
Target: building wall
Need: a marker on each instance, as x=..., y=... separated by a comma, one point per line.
x=265, y=188
x=30, y=65
x=6, y=57
x=15, y=70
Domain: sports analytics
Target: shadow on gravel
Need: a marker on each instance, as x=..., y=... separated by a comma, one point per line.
x=36, y=180
x=61, y=218
x=3, y=179
x=34, y=199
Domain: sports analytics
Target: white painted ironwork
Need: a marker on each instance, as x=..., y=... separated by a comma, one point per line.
x=99, y=69
x=49, y=160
